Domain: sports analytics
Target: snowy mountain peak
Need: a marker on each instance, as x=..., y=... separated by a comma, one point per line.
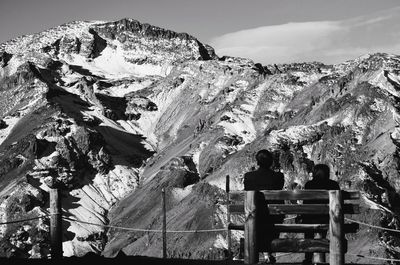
x=125, y=45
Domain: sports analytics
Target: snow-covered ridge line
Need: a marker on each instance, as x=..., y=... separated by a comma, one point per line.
x=145, y=29
x=45, y=38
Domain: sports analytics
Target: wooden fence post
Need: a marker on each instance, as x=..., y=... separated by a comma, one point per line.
x=55, y=224
x=336, y=232
x=164, y=227
x=250, y=231
x=228, y=217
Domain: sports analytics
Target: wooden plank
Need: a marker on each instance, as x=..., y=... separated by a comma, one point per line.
x=237, y=196
x=296, y=195
x=351, y=195
x=300, y=245
x=250, y=234
x=236, y=208
x=276, y=209
x=298, y=209
x=294, y=228
x=336, y=232
x=301, y=228
x=309, y=209
x=232, y=226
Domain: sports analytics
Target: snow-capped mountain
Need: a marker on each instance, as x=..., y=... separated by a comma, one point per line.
x=116, y=111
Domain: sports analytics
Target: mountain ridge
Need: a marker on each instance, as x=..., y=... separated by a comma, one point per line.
x=115, y=115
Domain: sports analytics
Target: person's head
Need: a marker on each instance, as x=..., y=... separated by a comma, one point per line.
x=264, y=158
x=321, y=172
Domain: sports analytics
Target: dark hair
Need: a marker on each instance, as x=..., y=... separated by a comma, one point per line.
x=321, y=172
x=264, y=158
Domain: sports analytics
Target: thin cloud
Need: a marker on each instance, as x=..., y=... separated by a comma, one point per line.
x=325, y=41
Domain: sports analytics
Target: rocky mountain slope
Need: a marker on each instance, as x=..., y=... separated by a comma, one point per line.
x=116, y=111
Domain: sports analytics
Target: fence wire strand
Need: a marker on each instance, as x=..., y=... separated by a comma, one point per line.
x=23, y=220
x=372, y=226
x=148, y=230
x=370, y=257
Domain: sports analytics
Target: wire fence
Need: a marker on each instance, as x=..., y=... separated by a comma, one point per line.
x=24, y=220
x=372, y=226
x=206, y=231
x=174, y=231
x=373, y=258
x=147, y=230
x=124, y=228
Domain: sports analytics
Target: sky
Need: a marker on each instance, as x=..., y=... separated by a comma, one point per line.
x=267, y=31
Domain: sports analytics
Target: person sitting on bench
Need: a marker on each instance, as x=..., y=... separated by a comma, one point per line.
x=264, y=178
x=320, y=181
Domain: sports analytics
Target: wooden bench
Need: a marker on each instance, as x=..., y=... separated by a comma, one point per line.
x=340, y=203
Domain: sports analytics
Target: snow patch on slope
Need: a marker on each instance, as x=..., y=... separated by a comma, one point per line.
x=382, y=82
x=179, y=194
x=123, y=89
x=243, y=116
x=112, y=63
x=196, y=154
x=11, y=122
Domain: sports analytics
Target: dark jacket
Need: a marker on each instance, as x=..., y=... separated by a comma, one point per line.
x=265, y=179
x=316, y=184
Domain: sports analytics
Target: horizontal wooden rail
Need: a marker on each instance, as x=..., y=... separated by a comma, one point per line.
x=300, y=245
x=301, y=228
x=296, y=195
x=276, y=209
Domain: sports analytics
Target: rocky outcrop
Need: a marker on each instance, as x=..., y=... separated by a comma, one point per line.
x=97, y=45
x=5, y=58
x=3, y=124
x=71, y=159
x=119, y=29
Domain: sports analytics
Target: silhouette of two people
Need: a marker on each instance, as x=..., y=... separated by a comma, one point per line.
x=264, y=178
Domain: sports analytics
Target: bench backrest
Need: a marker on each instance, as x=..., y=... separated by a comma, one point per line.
x=237, y=202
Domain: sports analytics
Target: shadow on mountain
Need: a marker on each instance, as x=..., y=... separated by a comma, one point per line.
x=69, y=103
x=83, y=71
x=115, y=107
x=68, y=202
x=126, y=149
